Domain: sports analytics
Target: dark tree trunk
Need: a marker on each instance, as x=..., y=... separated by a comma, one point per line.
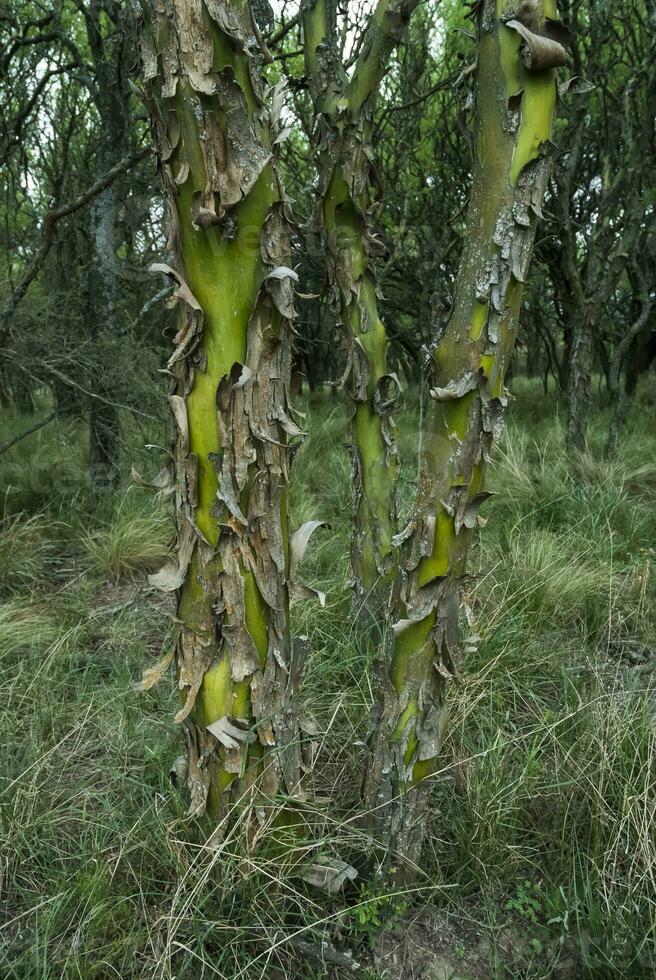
x=112, y=103
x=578, y=387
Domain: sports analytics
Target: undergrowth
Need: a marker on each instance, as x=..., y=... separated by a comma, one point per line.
x=541, y=849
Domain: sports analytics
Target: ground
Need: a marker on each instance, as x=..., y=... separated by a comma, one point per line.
x=541, y=848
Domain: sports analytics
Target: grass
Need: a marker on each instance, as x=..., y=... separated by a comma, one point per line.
x=135, y=539
x=541, y=848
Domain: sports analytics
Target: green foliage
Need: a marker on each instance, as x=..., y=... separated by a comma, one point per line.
x=376, y=912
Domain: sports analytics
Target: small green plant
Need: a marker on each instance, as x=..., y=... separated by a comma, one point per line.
x=376, y=912
x=528, y=901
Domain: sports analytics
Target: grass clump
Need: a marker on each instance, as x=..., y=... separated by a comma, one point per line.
x=134, y=538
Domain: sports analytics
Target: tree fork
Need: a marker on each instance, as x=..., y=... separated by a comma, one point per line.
x=516, y=98
x=238, y=667
x=343, y=124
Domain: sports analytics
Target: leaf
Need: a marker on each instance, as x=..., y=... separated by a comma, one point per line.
x=152, y=675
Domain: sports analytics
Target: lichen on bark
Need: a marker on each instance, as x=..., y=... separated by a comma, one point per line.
x=238, y=666
x=515, y=102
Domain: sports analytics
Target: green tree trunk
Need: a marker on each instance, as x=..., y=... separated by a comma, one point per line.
x=516, y=97
x=343, y=124
x=238, y=667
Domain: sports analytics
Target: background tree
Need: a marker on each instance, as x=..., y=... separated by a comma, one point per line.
x=65, y=75
x=601, y=197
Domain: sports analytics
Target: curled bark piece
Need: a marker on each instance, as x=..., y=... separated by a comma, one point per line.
x=538, y=52
x=328, y=874
x=455, y=389
x=301, y=591
x=575, y=86
x=299, y=542
x=163, y=482
x=232, y=734
x=171, y=576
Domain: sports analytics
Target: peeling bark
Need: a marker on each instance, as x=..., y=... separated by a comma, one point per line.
x=343, y=129
x=238, y=667
x=468, y=364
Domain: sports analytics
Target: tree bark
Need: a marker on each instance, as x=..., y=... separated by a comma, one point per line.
x=112, y=102
x=344, y=154
x=619, y=397
x=516, y=97
x=102, y=314
x=238, y=667
x=579, y=380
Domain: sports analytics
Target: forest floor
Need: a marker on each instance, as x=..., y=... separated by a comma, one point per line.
x=541, y=852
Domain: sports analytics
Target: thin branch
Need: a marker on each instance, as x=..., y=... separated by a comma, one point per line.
x=27, y=432
x=289, y=26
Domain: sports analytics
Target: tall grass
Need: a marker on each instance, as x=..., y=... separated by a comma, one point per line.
x=541, y=847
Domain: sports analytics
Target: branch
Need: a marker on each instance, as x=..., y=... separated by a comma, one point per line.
x=27, y=432
x=290, y=25
x=48, y=235
x=383, y=34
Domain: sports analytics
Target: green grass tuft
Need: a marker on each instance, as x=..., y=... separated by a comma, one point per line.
x=135, y=538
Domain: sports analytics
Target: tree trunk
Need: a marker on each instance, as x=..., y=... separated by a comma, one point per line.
x=111, y=98
x=238, y=668
x=619, y=395
x=516, y=97
x=343, y=115
x=102, y=286
x=578, y=383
